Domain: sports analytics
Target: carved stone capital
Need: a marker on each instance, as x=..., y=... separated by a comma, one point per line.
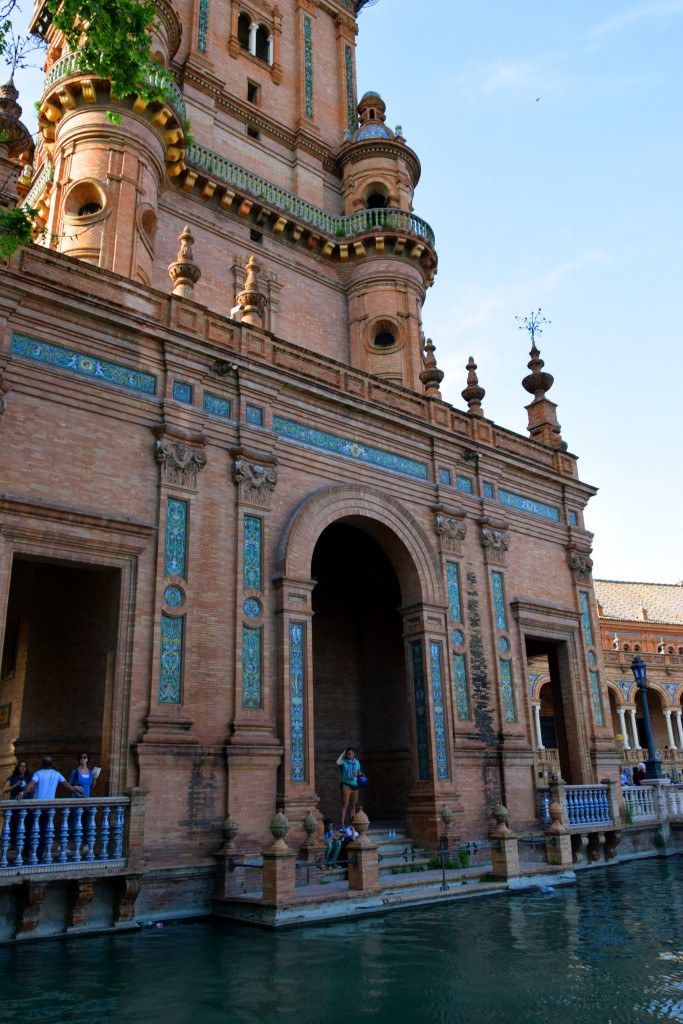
x=180, y=461
x=495, y=545
x=255, y=482
x=4, y=389
x=451, y=530
x=580, y=563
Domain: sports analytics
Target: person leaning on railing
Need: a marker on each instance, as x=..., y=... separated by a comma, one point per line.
x=43, y=786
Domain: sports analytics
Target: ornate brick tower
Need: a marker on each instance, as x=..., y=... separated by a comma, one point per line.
x=284, y=168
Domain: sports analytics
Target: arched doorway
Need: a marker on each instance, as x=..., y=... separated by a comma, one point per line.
x=360, y=695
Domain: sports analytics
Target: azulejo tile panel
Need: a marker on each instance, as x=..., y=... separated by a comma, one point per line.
x=174, y=597
x=170, y=679
x=595, y=697
x=573, y=518
x=308, y=64
x=297, y=763
x=464, y=484
x=439, y=717
x=350, y=105
x=453, y=583
x=87, y=366
x=203, y=27
x=251, y=667
x=487, y=490
x=536, y=508
x=444, y=476
x=509, y=713
x=253, y=530
x=420, y=712
x=216, y=406
x=182, y=392
x=175, y=548
x=251, y=608
x=254, y=415
x=586, y=625
x=351, y=449
x=499, y=600
x=462, y=698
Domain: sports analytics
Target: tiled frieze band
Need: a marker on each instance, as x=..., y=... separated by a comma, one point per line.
x=297, y=763
x=536, y=508
x=251, y=667
x=175, y=545
x=439, y=716
x=87, y=366
x=253, y=531
x=170, y=679
x=352, y=449
x=420, y=712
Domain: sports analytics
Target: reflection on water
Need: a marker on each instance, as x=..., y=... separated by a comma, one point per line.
x=609, y=951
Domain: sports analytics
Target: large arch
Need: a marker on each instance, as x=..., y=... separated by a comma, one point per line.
x=384, y=518
x=419, y=674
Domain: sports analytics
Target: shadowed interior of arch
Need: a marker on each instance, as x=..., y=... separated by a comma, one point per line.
x=360, y=693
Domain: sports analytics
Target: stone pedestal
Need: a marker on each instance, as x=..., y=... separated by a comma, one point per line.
x=363, y=857
x=313, y=849
x=504, y=846
x=558, y=841
x=279, y=866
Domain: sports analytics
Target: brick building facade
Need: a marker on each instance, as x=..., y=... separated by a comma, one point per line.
x=233, y=540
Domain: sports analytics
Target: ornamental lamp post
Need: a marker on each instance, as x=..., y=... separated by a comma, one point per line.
x=653, y=765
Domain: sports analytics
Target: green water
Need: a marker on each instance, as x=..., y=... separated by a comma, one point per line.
x=607, y=951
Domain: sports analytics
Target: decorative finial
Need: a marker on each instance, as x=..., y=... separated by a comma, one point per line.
x=431, y=375
x=532, y=324
x=543, y=425
x=253, y=300
x=184, y=273
x=473, y=394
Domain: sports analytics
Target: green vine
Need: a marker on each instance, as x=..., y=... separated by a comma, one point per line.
x=16, y=229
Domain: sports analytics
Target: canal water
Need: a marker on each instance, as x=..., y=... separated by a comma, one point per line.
x=608, y=951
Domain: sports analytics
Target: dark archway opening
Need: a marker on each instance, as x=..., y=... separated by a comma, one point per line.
x=551, y=657
x=359, y=681
x=58, y=663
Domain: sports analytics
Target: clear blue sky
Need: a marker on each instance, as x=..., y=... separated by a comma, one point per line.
x=550, y=136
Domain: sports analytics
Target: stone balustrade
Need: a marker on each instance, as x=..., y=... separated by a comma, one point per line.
x=43, y=836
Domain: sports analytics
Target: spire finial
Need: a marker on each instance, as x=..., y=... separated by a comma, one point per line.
x=431, y=376
x=184, y=273
x=473, y=394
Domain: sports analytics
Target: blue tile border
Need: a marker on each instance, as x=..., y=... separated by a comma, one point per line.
x=522, y=504
x=86, y=366
x=352, y=449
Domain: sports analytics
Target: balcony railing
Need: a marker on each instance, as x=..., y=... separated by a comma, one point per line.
x=72, y=64
x=340, y=226
x=43, y=836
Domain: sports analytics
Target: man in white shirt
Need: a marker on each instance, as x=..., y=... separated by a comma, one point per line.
x=43, y=786
x=44, y=782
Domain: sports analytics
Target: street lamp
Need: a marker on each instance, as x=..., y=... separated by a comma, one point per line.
x=653, y=765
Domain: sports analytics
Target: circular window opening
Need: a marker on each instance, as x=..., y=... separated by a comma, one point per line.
x=376, y=201
x=384, y=339
x=88, y=209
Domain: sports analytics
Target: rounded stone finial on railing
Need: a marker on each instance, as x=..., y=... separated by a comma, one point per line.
x=229, y=828
x=310, y=824
x=473, y=393
x=446, y=817
x=502, y=816
x=279, y=827
x=555, y=812
x=361, y=823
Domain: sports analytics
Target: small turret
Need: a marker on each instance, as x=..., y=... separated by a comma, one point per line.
x=16, y=145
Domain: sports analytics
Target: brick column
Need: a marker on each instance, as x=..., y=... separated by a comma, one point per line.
x=135, y=828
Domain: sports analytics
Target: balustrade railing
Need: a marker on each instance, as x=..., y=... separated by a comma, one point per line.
x=342, y=226
x=72, y=64
x=38, y=836
x=640, y=802
x=588, y=805
x=46, y=175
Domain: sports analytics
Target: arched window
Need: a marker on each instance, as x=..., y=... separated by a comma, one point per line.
x=262, y=47
x=243, y=23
